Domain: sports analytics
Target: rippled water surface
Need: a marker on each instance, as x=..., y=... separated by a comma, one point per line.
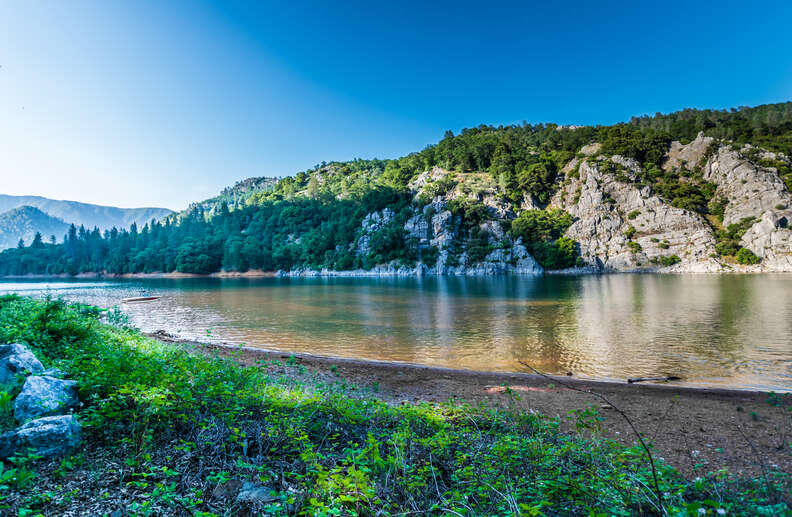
x=721, y=330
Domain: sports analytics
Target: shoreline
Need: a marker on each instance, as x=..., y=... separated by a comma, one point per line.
x=578, y=382
x=696, y=429
x=175, y=275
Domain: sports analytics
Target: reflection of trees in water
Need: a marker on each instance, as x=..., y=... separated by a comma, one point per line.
x=612, y=325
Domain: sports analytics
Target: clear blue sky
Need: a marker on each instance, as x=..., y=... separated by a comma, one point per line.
x=162, y=103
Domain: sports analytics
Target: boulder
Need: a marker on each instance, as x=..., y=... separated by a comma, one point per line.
x=53, y=372
x=256, y=494
x=48, y=437
x=17, y=359
x=44, y=396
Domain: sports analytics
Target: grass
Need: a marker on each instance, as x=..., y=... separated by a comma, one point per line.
x=171, y=432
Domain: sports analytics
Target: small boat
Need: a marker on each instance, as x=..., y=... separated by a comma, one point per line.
x=140, y=299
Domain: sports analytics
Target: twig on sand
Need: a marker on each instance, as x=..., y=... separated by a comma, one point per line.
x=645, y=379
x=658, y=492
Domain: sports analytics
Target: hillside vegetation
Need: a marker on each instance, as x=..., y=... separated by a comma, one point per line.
x=31, y=225
x=170, y=432
x=477, y=198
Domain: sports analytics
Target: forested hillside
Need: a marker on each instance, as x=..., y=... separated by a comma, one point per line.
x=25, y=222
x=488, y=200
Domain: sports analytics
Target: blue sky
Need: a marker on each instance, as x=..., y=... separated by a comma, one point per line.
x=163, y=103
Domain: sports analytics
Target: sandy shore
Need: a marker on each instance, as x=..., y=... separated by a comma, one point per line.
x=697, y=430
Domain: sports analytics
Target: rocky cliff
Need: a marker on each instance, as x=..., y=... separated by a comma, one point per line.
x=620, y=222
x=622, y=226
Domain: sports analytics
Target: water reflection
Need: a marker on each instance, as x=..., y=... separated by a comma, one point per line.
x=710, y=329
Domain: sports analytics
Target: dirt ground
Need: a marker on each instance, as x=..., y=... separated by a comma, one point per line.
x=695, y=430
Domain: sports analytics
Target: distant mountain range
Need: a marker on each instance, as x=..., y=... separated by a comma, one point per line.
x=23, y=216
x=24, y=222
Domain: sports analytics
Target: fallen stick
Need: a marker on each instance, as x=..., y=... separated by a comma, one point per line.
x=643, y=379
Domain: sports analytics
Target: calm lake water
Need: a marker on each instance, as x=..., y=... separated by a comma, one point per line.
x=717, y=330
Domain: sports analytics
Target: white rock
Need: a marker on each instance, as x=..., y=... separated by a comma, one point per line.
x=49, y=436
x=17, y=359
x=44, y=396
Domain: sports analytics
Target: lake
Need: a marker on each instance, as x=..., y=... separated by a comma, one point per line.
x=713, y=330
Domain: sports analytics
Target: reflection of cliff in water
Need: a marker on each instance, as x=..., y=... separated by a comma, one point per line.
x=700, y=325
x=724, y=330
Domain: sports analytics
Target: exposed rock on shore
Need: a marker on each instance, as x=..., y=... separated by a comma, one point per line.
x=40, y=407
x=44, y=396
x=16, y=359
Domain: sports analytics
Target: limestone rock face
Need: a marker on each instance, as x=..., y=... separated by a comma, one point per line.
x=690, y=155
x=756, y=192
x=17, y=359
x=43, y=396
x=371, y=224
x=49, y=437
x=622, y=227
x=619, y=223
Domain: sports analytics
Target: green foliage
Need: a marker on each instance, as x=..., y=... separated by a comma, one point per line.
x=747, y=257
x=768, y=126
x=689, y=194
x=542, y=233
x=648, y=146
x=634, y=247
x=478, y=246
x=560, y=253
x=164, y=412
x=728, y=239
x=472, y=213
x=6, y=411
x=669, y=260
x=634, y=214
x=541, y=225
x=275, y=234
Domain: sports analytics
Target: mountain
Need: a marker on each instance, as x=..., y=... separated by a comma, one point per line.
x=24, y=222
x=236, y=196
x=85, y=214
x=695, y=190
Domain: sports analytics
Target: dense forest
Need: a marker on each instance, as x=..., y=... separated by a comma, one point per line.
x=311, y=220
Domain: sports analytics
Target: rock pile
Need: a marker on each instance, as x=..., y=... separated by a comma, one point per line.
x=42, y=407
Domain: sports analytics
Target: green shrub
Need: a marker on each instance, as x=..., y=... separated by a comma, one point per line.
x=429, y=256
x=173, y=426
x=561, y=253
x=633, y=214
x=747, y=257
x=669, y=260
x=541, y=225
x=542, y=233
x=728, y=239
